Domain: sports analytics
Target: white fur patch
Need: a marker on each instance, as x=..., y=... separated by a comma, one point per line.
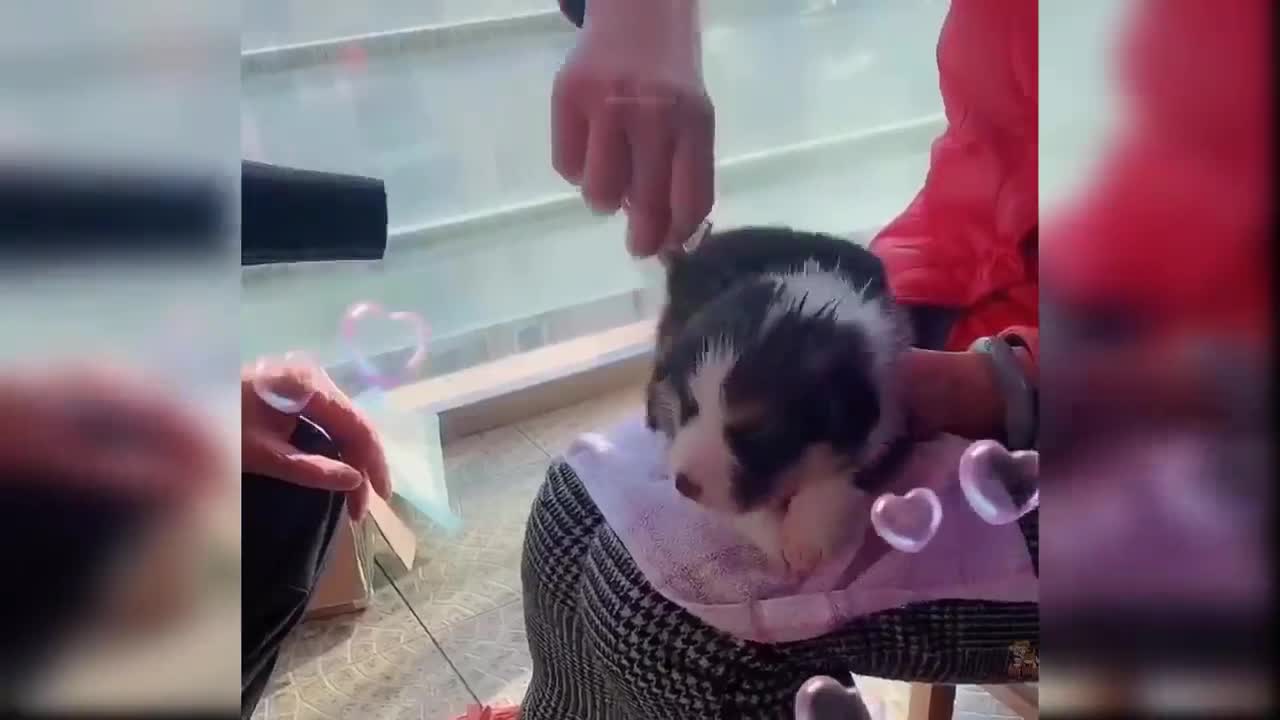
x=699, y=449
x=811, y=290
x=763, y=528
x=593, y=443
x=707, y=381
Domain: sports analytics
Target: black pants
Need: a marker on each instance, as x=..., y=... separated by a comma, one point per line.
x=287, y=530
x=68, y=541
x=60, y=541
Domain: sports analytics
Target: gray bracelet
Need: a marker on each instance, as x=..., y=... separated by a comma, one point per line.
x=1021, y=416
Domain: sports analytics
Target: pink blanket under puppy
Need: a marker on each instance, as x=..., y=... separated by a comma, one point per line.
x=696, y=561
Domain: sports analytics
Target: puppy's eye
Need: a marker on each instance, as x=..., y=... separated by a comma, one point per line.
x=748, y=435
x=752, y=444
x=688, y=408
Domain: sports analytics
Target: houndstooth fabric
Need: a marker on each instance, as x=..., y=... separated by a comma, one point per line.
x=606, y=646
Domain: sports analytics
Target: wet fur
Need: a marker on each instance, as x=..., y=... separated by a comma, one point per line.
x=802, y=412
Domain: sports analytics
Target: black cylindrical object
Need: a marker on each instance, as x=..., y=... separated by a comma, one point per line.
x=289, y=215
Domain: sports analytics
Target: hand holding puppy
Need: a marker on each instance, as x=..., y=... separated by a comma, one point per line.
x=951, y=392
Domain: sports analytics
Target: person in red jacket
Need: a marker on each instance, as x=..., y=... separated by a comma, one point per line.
x=1175, y=230
x=966, y=246
x=1157, y=272
x=633, y=128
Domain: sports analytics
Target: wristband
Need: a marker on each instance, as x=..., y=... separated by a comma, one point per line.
x=1021, y=411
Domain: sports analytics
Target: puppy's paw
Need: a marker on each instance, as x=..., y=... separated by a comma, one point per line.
x=802, y=553
x=815, y=523
x=776, y=560
x=764, y=530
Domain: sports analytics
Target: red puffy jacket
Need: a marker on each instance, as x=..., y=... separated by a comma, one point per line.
x=1177, y=224
x=967, y=242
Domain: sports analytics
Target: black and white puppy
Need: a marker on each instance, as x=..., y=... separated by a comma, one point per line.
x=774, y=382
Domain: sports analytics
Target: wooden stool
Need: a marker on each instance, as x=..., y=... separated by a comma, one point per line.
x=937, y=702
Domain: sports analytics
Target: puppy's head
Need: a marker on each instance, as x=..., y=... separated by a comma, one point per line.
x=781, y=381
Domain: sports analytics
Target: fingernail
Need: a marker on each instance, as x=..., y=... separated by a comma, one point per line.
x=636, y=249
x=598, y=209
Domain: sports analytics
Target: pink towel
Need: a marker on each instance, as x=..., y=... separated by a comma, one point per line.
x=700, y=563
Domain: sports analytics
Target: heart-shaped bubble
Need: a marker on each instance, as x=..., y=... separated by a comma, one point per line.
x=907, y=522
x=825, y=698
x=389, y=348
x=276, y=381
x=1000, y=486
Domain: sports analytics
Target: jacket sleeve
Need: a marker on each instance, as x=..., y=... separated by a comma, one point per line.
x=1176, y=222
x=960, y=242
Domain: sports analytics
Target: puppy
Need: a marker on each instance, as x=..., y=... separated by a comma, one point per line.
x=773, y=380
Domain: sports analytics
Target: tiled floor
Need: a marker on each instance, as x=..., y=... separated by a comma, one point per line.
x=451, y=631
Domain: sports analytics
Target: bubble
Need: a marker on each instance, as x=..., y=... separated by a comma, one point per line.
x=823, y=698
x=280, y=381
x=907, y=522
x=1000, y=486
x=389, y=348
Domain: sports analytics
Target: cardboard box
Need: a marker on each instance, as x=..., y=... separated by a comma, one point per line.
x=346, y=583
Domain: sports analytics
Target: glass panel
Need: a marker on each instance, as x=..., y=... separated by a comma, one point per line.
x=1075, y=50
x=825, y=115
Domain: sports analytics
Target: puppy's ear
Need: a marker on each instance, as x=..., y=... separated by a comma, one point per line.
x=846, y=395
x=854, y=409
x=661, y=404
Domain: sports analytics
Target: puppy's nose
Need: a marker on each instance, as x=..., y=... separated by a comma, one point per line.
x=687, y=487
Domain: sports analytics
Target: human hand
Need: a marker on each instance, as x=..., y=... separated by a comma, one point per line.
x=950, y=392
x=631, y=122
x=266, y=431
x=105, y=429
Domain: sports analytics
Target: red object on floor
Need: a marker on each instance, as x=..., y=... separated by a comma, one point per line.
x=485, y=712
